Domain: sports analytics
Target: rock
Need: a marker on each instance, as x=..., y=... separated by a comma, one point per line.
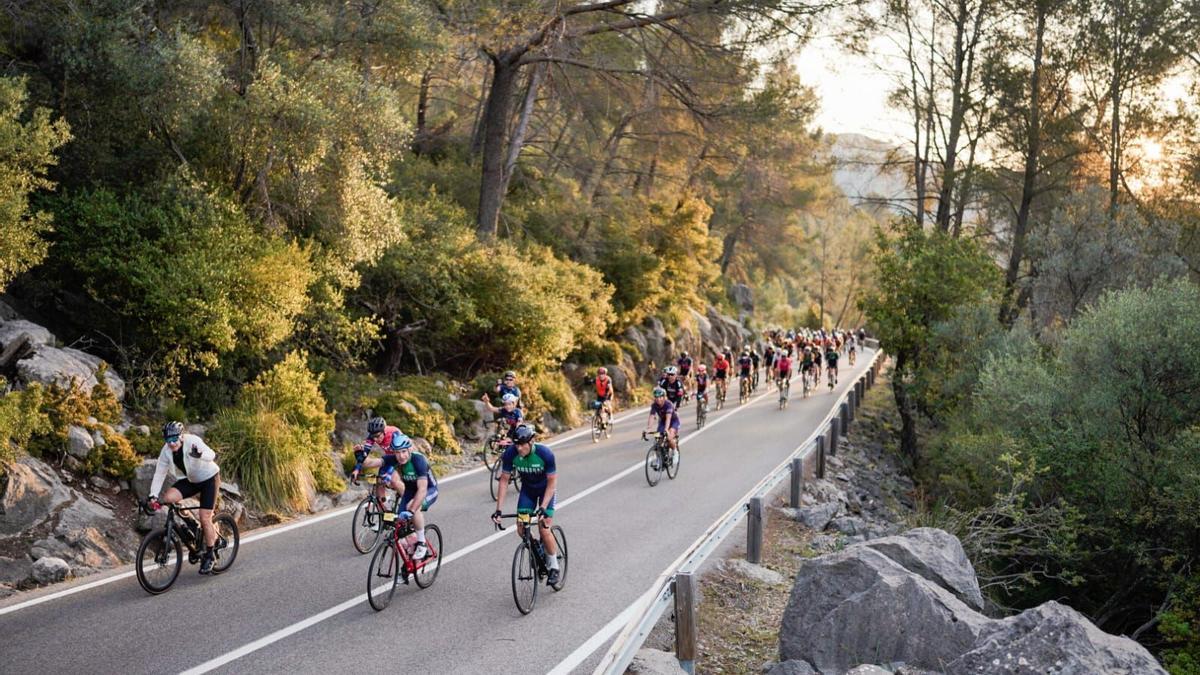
x=82, y=514
x=825, y=491
x=868, y=670
x=123, y=484
x=33, y=492
x=50, y=365
x=906, y=669
x=742, y=297
x=655, y=662
x=756, y=572
x=551, y=423
x=849, y=525
x=230, y=488
x=38, y=336
x=434, y=405
x=111, y=378
x=408, y=407
x=818, y=516
x=937, y=556
x=79, y=442
x=320, y=502
x=142, y=429
x=481, y=409
x=88, y=547
x=196, y=429
x=143, y=476
x=792, y=667
x=49, y=570
x=100, y=483
x=1052, y=638
x=422, y=446
x=73, y=464
x=620, y=379
x=843, y=612
x=7, y=313
x=440, y=384
x=98, y=438
x=13, y=570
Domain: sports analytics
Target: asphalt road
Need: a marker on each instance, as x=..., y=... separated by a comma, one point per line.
x=294, y=601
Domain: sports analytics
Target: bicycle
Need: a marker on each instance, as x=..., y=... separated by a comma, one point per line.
x=498, y=475
x=743, y=389
x=529, y=560
x=754, y=381
x=784, y=387
x=367, y=526
x=601, y=421
x=808, y=384
x=721, y=388
x=492, y=447
x=701, y=410
x=394, y=559
x=160, y=554
x=660, y=457
x=832, y=372
x=851, y=356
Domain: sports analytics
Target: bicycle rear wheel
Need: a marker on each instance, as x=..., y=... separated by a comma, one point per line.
x=524, y=578
x=227, y=531
x=608, y=424
x=367, y=525
x=384, y=575
x=654, y=466
x=497, y=476
x=701, y=411
x=560, y=539
x=427, y=572
x=490, y=456
x=158, y=561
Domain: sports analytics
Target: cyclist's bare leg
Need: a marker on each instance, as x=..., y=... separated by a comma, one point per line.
x=170, y=496
x=548, y=541
x=206, y=525
x=673, y=438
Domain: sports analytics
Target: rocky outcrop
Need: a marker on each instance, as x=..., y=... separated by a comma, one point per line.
x=38, y=360
x=655, y=662
x=844, y=607
x=49, y=570
x=743, y=298
x=34, y=491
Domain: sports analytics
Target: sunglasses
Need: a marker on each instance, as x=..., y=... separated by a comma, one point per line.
x=172, y=439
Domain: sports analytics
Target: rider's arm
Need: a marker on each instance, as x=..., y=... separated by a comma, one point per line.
x=551, y=487
x=551, y=473
x=160, y=471
x=418, y=498
x=200, y=449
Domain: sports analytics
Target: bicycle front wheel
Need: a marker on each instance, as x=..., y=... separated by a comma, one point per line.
x=597, y=427
x=524, y=578
x=672, y=463
x=158, y=561
x=560, y=540
x=654, y=466
x=383, y=576
x=227, y=532
x=494, y=481
x=367, y=525
x=428, y=571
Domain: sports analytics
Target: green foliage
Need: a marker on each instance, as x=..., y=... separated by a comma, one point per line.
x=553, y=388
x=116, y=458
x=267, y=455
x=417, y=418
x=21, y=418
x=27, y=152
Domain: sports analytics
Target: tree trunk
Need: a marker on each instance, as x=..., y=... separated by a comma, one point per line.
x=477, y=128
x=495, y=128
x=1114, y=155
x=964, y=66
x=904, y=404
x=522, y=128
x=421, y=134
x=727, y=248
x=591, y=185
x=1008, y=313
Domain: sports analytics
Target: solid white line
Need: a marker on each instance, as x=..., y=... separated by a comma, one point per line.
x=282, y=633
x=593, y=643
x=70, y=591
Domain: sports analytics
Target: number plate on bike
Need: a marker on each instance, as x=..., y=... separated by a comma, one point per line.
x=389, y=517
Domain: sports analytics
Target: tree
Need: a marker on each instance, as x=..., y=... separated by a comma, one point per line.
x=26, y=153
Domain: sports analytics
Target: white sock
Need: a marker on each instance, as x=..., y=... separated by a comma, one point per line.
x=421, y=536
x=552, y=561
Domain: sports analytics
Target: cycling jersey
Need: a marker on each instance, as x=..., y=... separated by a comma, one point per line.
x=674, y=389
x=393, y=438
x=755, y=358
x=512, y=417
x=533, y=468
x=807, y=363
x=784, y=366
x=193, y=461
x=416, y=468
x=831, y=357
x=513, y=389
x=685, y=365
x=604, y=387
x=745, y=363
x=701, y=383
x=666, y=416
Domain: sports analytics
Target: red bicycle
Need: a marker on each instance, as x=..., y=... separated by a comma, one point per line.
x=393, y=564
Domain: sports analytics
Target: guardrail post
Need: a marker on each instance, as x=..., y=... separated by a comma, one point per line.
x=822, y=440
x=797, y=481
x=844, y=415
x=686, y=629
x=835, y=433
x=754, y=531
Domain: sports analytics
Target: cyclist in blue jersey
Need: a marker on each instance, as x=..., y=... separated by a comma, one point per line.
x=668, y=418
x=509, y=412
x=508, y=385
x=539, y=489
x=386, y=439
x=418, y=492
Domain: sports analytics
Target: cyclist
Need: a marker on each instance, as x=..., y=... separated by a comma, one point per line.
x=817, y=352
x=852, y=350
x=685, y=366
x=508, y=411
x=862, y=335
x=539, y=489
x=701, y=383
x=387, y=439
x=672, y=385
x=605, y=390
x=508, y=385
x=418, y=491
x=194, y=461
x=807, y=364
x=769, y=356
x=668, y=418
x=783, y=369
x=757, y=361
x=745, y=363
x=831, y=359
x=720, y=369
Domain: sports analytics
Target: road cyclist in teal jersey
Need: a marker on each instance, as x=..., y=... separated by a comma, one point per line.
x=539, y=489
x=403, y=469
x=831, y=365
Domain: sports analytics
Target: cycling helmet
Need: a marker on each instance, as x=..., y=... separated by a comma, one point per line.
x=509, y=373
x=671, y=370
x=375, y=425
x=745, y=350
x=684, y=355
x=172, y=428
x=659, y=392
x=524, y=434
x=401, y=442
x=509, y=398
x=703, y=368
x=602, y=371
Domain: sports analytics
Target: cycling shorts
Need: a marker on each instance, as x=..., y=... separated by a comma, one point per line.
x=785, y=374
x=430, y=497
x=719, y=375
x=206, y=489
x=674, y=424
x=527, y=501
x=745, y=372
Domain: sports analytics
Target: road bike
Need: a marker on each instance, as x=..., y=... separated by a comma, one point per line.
x=701, y=410
x=498, y=475
x=367, y=526
x=493, y=447
x=754, y=381
x=832, y=372
x=601, y=421
x=784, y=386
x=853, y=353
x=808, y=381
x=529, y=566
x=394, y=560
x=743, y=389
x=660, y=457
x=160, y=555
x=721, y=388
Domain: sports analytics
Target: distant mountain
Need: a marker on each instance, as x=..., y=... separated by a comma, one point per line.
x=862, y=172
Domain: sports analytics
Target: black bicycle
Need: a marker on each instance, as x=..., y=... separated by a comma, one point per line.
x=660, y=457
x=529, y=566
x=494, y=446
x=602, y=423
x=368, y=519
x=701, y=410
x=160, y=555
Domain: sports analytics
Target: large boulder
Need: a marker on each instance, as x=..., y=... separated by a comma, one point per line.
x=742, y=297
x=79, y=442
x=1052, y=638
x=48, y=570
x=13, y=570
x=793, y=667
x=843, y=612
x=111, y=378
x=50, y=365
x=33, y=492
x=11, y=330
x=816, y=517
x=937, y=556
x=143, y=476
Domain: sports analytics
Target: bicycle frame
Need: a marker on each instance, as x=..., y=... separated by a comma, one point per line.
x=401, y=529
x=530, y=521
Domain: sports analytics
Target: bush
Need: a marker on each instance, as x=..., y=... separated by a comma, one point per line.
x=415, y=418
x=267, y=456
x=116, y=457
x=21, y=418
x=559, y=399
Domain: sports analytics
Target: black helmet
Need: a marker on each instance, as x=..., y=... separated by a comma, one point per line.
x=172, y=428
x=375, y=425
x=524, y=433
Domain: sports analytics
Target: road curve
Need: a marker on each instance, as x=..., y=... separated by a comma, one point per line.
x=293, y=601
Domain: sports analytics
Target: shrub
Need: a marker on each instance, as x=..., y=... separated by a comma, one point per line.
x=267, y=455
x=415, y=418
x=560, y=400
x=116, y=457
x=21, y=418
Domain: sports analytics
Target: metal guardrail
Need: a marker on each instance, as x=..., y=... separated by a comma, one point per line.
x=618, y=657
